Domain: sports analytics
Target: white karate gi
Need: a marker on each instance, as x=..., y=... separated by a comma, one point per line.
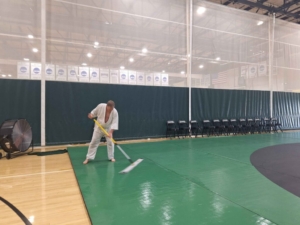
x=112, y=123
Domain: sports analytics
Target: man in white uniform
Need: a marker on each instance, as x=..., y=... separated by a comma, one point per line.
x=108, y=117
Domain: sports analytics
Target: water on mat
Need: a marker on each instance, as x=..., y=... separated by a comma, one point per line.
x=191, y=181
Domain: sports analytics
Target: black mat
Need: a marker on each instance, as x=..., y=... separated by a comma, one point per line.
x=280, y=164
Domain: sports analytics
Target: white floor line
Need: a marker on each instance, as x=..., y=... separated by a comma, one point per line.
x=33, y=174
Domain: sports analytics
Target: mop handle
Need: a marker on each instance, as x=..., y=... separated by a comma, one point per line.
x=104, y=131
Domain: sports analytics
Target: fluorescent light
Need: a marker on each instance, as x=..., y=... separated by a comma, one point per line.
x=122, y=67
x=259, y=23
x=131, y=60
x=106, y=23
x=96, y=43
x=3, y=75
x=25, y=59
x=30, y=36
x=218, y=58
x=9, y=75
x=182, y=72
x=89, y=55
x=201, y=66
x=201, y=10
x=144, y=50
x=84, y=64
x=163, y=71
x=35, y=50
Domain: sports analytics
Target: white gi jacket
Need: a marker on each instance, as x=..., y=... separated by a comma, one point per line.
x=112, y=122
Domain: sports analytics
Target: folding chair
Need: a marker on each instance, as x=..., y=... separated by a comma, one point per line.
x=249, y=126
x=257, y=126
x=195, y=128
x=278, y=125
x=242, y=125
x=233, y=126
x=225, y=123
x=171, y=128
x=183, y=128
x=207, y=127
x=219, y=128
x=266, y=124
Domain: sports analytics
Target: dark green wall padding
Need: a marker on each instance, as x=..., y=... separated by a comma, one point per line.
x=22, y=99
x=227, y=104
x=143, y=110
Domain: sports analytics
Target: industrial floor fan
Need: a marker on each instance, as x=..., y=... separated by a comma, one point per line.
x=15, y=137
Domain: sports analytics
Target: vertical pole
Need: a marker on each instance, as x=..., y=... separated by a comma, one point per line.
x=43, y=62
x=189, y=51
x=271, y=59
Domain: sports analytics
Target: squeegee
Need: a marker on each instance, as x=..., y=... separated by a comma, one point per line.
x=133, y=164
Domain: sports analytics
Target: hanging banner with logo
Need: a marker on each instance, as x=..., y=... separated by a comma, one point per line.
x=149, y=79
x=23, y=70
x=262, y=69
x=123, y=77
x=140, y=78
x=72, y=73
x=252, y=72
x=114, y=76
x=36, y=71
x=50, y=72
x=164, y=80
x=244, y=71
x=94, y=75
x=132, y=77
x=84, y=74
x=104, y=75
x=61, y=73
x=156, y=79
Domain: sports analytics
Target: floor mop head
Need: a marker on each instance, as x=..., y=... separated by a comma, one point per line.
x=132, y=166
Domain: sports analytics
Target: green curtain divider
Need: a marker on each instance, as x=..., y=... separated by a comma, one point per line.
x=286, y=107
x=22, y=99
x=226, y=104
x=143, y=110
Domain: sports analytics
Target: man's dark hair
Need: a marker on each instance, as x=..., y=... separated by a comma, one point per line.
x=111, y=103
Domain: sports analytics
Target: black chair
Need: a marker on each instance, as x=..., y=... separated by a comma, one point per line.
x=195, y=128
x=257, y=126
x=266, y=122
x=233, y=126
x=242, y=126
x=219, y=128
x=183, y=128
x=249, y=126
x=225, y=123
x=171, y=128
x=278, y=125
x=207, y=128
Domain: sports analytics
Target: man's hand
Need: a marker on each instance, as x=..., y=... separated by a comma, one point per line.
x=110, y=133
x=90, y=116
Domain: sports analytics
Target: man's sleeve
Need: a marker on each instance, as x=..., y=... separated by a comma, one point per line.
x=115, y=121
x=94, y=112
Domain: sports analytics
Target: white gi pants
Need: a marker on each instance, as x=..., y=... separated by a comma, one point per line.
x=97, y=135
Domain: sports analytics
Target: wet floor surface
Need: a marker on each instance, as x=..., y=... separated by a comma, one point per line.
x=191, y=181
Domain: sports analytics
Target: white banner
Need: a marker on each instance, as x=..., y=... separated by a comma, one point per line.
x=72, y=73
x=140, y=78
x=24, y=70
x=132, y=77
x=165, y=79
x=156, y=80
x=244, y=71
x=252, y=72
x=104, y=75
x=94, y=74
x=84, y=74
x=36, y=71
x=61, y=73
x=50, y=72
x=262, y=69
x=123, y=77
x=114, y=76
x=149, y=79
